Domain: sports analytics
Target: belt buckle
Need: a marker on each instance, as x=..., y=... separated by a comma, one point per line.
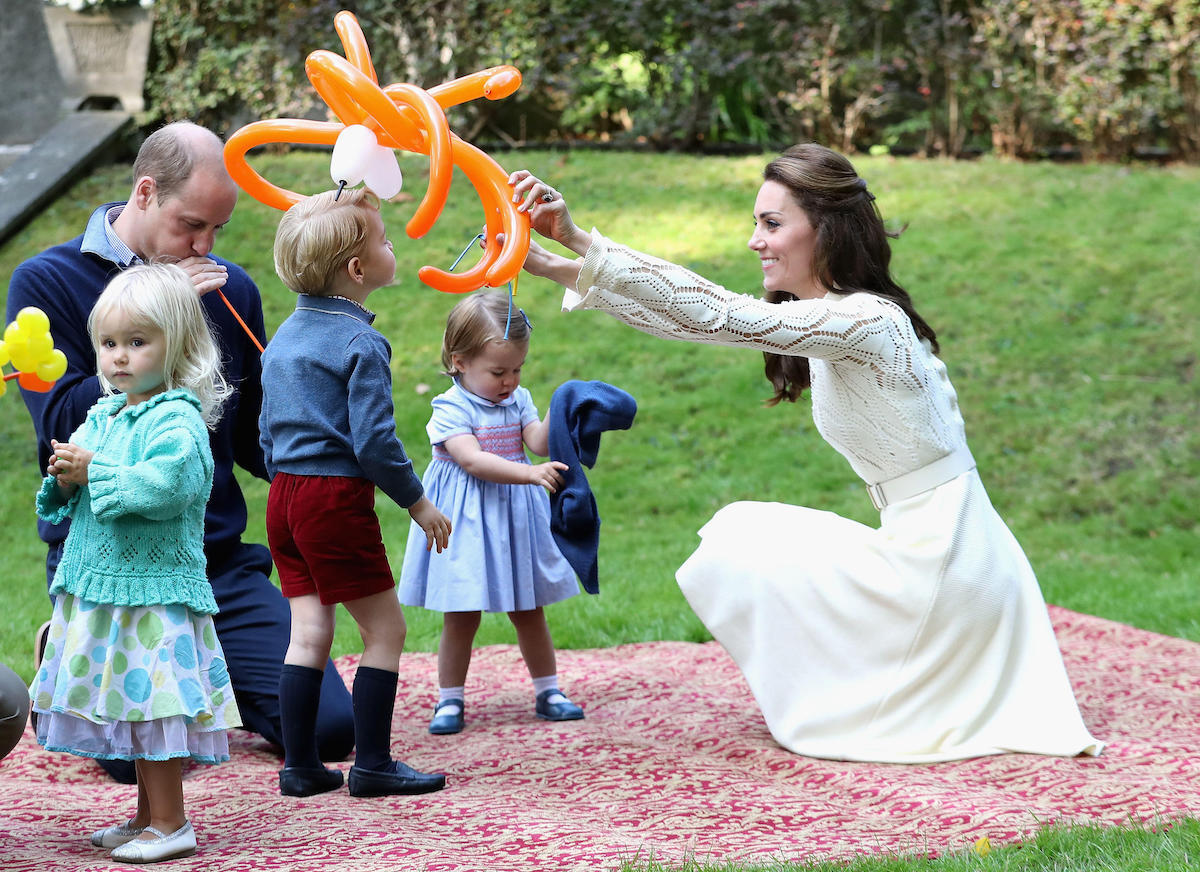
x=875, y=492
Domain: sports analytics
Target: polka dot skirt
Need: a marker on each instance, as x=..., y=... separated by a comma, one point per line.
x=133, y=682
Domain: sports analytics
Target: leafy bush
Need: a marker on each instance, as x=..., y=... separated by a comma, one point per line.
x=1021, y=77
x=224, y=64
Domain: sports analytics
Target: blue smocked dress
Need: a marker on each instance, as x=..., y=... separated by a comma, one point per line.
x=502, y=556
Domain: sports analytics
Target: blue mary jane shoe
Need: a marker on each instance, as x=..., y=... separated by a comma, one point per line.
x=563, y=710
x=448, y=723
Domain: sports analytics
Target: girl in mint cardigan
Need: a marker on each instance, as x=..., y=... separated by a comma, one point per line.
x=132, y=667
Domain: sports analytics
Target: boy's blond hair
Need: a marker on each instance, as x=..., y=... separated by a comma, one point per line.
x=318, y=236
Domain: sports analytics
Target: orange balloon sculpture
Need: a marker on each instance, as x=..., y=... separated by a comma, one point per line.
x=401, y=116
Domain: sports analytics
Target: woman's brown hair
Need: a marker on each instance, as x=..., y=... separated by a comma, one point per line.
x=850, y=254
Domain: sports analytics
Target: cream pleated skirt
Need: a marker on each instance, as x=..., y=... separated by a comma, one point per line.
x=925, y=640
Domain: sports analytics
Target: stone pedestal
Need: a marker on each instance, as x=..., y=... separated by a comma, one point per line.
x=101, y=54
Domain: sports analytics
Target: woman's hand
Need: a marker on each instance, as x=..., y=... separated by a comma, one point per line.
x=548, y=474
x=548, y=213
x=69, y=464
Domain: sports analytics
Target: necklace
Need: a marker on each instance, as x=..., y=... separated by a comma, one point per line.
x=355, y=302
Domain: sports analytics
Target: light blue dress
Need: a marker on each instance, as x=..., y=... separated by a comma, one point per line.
x=502, y=556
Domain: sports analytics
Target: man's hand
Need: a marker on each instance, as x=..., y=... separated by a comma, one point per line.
x=206, y=274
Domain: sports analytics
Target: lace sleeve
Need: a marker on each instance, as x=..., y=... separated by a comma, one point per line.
x=667, y=300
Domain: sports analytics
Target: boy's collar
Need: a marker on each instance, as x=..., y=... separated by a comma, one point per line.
x=338, y=305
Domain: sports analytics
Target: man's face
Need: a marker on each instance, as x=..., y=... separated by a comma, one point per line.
x=186, y=223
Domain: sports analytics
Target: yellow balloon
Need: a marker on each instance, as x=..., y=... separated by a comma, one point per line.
x=52, y=368
x=16, y=343
x=3, y=352
x=33, y=321
x=14, y=334
x=22, y=359
x=40, y=345
x=3, y=387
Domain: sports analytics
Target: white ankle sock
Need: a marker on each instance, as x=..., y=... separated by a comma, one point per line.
x=448, y=693
x=548, y=682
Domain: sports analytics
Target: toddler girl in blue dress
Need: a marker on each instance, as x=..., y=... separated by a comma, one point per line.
x=132, y=668
x=503, y=557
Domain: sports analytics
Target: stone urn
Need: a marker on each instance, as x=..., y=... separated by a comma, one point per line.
x=101, y=53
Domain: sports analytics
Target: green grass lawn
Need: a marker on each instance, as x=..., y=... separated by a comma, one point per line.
x=1054, y=849
x=1064, y=297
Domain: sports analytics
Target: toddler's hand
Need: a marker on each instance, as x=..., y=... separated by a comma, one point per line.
x=547, y=474
x=433, y=522
x=69, y=463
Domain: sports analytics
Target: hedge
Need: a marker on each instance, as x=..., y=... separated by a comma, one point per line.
x=1108, y=79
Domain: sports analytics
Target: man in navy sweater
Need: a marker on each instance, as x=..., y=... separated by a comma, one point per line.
x=182, y=196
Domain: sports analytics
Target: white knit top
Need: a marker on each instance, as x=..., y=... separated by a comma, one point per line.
x=880, y=396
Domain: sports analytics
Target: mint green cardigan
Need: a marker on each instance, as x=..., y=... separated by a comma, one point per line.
x=137, y=527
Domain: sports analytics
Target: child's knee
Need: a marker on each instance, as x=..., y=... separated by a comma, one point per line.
x=311, y=640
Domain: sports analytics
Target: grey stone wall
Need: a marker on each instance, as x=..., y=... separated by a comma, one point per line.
x=31, y=90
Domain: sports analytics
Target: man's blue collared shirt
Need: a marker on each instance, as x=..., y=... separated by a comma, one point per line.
x=100, y=239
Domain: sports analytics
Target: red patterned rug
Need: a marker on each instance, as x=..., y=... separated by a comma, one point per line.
x=672, y=762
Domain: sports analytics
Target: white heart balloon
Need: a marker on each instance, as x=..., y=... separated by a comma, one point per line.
x=352, y=154
x=383, y=173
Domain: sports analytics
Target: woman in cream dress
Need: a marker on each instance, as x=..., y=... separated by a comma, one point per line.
x=926, y=639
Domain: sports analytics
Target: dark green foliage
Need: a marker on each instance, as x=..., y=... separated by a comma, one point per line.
x=1019, y=77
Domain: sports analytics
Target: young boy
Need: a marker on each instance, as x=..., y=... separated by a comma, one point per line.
x=329, y=436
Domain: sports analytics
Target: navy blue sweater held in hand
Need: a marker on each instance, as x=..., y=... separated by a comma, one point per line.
x=579, y=413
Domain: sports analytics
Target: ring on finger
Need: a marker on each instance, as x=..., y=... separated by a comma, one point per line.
x=548, y=197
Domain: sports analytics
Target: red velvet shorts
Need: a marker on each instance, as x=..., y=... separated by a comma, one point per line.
x=325, y=538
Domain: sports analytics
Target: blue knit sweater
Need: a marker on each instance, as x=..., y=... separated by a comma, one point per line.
x=64, y=282
x=327, y=399
x=136, y=536
x=579, y=412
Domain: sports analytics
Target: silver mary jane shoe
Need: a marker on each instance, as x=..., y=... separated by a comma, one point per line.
x=181, y=843
x=112, y=837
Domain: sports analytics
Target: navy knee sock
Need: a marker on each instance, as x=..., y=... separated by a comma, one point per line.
x=374, y=700
x=299, y=696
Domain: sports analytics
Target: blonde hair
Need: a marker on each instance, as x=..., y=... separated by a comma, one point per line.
x=317, y=237
x=161, y=296
x=475, y=321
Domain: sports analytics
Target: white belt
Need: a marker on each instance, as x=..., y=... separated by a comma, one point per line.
x=903, y=487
